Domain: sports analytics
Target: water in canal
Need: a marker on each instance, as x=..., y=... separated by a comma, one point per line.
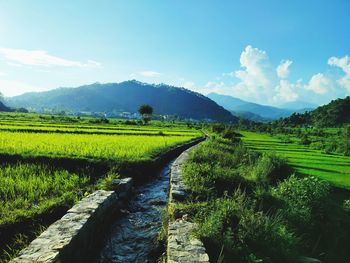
x=131, y=237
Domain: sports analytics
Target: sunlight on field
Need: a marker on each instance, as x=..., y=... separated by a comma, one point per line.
x=92, y=146
x=331, y=167
x=30, y=187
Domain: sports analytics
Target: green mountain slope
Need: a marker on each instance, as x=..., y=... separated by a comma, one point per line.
x=126, y=97
x=3, y=107
x=241, y=107
x=336, y=113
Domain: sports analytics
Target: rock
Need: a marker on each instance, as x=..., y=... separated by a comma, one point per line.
x=122, y=186
x=178, y=195
x=182, y=245
x=70, y=238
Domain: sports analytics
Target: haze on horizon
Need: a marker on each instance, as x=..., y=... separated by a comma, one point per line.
x=267, y=52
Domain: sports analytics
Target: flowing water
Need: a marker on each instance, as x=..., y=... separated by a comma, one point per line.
x=131, y=237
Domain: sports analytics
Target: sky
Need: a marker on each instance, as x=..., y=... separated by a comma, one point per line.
x=270, y=52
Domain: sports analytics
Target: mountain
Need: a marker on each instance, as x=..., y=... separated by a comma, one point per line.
x=3, y=107
x=336, y=113
x=250, y=116
x=239, y=107
x=298, y=106
x=126, y=97
x=228, y=102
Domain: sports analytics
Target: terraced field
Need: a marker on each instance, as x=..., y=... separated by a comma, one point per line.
x=334, y=168
x=31, y=189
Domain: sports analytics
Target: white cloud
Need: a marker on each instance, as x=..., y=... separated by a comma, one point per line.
x=259, y=81
x=14, y=87
x=150, y=74
x=253, y=61
x=285, y=92
x=42, y=58
x=255, y=80
x=319, y=84
x=283, y=68
x=344, y=64
x=215, y=85
x=188, y=84
x=2, y=74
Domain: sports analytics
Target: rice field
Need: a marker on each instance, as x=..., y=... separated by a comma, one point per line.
x=334, y=168
x=30, y=187
x=117, y=148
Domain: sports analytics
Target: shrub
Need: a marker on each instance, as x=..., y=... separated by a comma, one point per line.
x=230, y=134
x=270, y=168
x=234, y=227
x=304, y=199
x=331, y=145
x=285, y=139
x=317, y=145
x=212, y=168
x=305, y=140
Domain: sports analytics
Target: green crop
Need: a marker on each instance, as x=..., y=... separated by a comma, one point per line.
x=334, y=168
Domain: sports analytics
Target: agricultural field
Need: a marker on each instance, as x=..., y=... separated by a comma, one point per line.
x=34, y=185
x=251, y=206
x=333, y=167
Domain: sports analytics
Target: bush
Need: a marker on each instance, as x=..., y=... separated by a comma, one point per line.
x=317, y=145
x=212, y=168
x=304, y=199
x=305, y=140
x=99, y=121
x=210, y=181
x=270, y=169
x=232, y=225
x=285, y=139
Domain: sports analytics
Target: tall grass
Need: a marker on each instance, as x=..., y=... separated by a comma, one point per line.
x=306, y=160
x=30, y=189
x=222, y=174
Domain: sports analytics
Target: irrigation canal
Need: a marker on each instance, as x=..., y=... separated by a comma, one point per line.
x=132, y=235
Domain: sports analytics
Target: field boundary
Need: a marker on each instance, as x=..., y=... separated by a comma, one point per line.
x=140, y=172
x=182, y=246
x=76, y=235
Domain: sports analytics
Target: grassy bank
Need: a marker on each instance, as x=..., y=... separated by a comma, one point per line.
x=50, y=162
x=250, y=207
x=334, y=168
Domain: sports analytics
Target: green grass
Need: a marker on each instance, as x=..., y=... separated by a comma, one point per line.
x=331, y=167
x=118, y=148
x=31, y=189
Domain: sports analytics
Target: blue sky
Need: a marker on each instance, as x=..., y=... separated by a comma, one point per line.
x=271, y=52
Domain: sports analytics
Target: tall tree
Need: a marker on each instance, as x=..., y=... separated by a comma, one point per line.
x=146, y=111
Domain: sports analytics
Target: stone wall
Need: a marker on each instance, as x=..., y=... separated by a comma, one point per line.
x=182, y=245
x=75, y=236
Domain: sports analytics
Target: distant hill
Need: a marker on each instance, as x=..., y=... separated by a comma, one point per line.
x=246, y=108
x=250, y=116
x=336, y=113
x=126, y=97
x=3, y=107
x=298, y=106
